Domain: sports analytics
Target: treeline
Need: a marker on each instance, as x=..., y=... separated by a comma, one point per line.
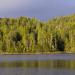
x=29, y=35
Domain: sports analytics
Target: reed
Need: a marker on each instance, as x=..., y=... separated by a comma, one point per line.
x=29, y=35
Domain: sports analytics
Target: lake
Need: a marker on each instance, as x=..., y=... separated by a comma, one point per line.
x=39, y=64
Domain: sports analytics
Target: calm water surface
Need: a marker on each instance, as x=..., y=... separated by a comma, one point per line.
x=53, y=64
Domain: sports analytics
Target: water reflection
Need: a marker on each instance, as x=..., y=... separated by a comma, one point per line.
x=38, y=67
x=51, y=64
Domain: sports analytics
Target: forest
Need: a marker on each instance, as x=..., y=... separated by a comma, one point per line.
x=30, y=35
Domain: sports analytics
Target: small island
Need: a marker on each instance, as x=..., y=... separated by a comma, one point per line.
x=25, y=35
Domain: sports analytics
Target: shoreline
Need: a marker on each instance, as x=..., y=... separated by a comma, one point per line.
x=37, y=53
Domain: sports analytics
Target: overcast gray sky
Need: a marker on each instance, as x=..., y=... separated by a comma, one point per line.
x=41, y=9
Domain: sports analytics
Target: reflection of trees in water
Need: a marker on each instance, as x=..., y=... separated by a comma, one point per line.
x=66, y=64
x=59, y=64
x=51, y=64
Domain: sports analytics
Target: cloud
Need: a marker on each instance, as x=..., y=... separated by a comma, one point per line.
x=38, y=8
x=6, y=5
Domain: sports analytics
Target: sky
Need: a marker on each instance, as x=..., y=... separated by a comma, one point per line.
x=41, y=9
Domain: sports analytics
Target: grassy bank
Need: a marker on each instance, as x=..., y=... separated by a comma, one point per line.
x=28, y=35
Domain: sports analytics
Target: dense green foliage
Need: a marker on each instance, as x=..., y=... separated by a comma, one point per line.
x=28, y=35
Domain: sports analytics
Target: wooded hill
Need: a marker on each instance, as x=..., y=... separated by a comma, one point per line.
x=29, y=35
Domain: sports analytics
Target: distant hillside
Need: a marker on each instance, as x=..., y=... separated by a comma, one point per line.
x=29, y=35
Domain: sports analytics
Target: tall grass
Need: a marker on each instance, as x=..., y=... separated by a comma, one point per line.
x=29, y=35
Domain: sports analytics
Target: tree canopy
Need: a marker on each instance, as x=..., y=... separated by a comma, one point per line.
x=29, y=35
